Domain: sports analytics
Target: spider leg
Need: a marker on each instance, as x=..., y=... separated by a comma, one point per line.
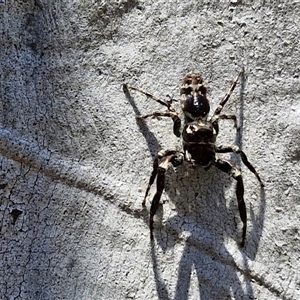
x=227, y=96
x=160, y=101
x=160, y=185
x=170, y=114
x=156, y=163
x=215, y=121
x=152, y=178
x=233, y=171
x=160, y=165
x=236, y=149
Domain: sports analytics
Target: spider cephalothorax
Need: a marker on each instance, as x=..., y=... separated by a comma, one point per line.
x=198, y=140
x=194, y=101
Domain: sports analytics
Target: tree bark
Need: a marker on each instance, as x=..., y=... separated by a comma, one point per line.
x=75, y=162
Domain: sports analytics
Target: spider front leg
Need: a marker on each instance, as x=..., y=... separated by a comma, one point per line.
x=215, y=121
x=171, y=113
x=216, y=116
x=167, y=103
x=232, y=170
x=236, y=149
x=227, y=96
x=160, y=165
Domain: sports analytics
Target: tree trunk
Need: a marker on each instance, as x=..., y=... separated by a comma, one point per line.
x=75, y=162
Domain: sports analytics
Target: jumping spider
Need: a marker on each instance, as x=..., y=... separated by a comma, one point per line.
x=198, y=139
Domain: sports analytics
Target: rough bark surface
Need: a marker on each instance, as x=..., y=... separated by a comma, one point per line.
x=75, y=162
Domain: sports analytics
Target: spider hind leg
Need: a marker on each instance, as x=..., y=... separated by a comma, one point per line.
x=234, y=172
x=236, y=149
x=160, y=166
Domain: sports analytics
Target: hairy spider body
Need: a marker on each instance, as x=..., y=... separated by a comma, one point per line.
x=194, y=101
x=199, y=143
x=198, y=139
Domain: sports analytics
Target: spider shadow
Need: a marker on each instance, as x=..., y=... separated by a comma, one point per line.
x=151, y=140
x=257, y=220
x=202, y=212
x=203, y=217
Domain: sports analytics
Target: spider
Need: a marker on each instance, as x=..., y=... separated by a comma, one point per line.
x=198, y=140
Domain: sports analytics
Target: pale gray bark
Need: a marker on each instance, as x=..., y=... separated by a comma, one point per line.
x=75, y=163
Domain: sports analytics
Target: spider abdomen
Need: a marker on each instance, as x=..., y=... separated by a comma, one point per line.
x=200, y=154
x=199, y=142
